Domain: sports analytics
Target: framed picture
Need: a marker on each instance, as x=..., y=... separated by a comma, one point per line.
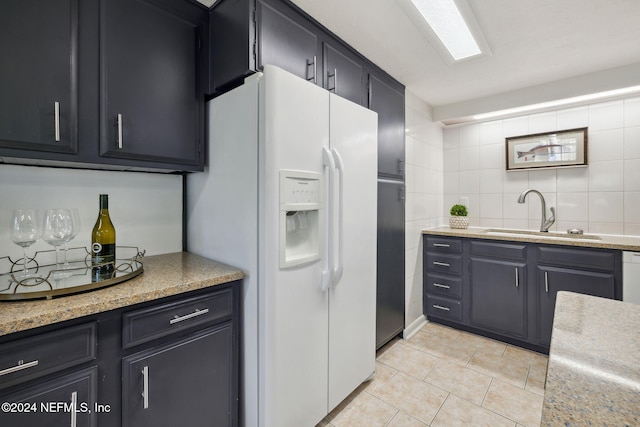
x=544, y=150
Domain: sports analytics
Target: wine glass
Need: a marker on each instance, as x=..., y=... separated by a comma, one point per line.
x=25, y=231
x=56, y=229
x=75, y=222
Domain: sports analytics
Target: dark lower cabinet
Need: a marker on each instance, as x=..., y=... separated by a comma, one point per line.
x=186, y=382
x=66, y=400
x=507, y=290
x=498, y=296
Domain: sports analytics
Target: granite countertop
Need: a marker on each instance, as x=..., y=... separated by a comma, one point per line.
x=593, y=376
x=163, y=276
x=625, y=243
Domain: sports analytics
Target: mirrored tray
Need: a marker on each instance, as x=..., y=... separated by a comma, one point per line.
x=76, y=276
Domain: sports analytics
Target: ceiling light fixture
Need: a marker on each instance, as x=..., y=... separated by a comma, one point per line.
x=450, y=26
x=558, y=103
x=445, y=19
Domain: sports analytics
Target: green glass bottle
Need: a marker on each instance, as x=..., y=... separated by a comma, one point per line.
x=103, y=243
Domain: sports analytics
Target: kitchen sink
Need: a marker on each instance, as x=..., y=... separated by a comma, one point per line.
x=539, y=234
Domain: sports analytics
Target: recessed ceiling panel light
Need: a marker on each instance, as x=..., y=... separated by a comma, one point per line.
x=446, y=21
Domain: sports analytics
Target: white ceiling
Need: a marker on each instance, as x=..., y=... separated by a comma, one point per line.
x=541, y=50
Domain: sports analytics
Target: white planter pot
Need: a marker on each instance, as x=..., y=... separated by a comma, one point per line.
x=458, y=221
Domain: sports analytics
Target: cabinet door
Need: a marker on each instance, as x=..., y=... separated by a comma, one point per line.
x=287, y=44
x=343, y=75
x=188, y=382
x=151, y=107
x=554, y=279
x=38, y=76
x=498, y=296
x=52, y=403
x=388, y=102
x=390, y=264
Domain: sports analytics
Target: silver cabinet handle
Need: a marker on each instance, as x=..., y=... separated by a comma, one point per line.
x=440, y=285
x=546, y=282
x=439, y=307
x=56, y=119
x=441, y=245
x=145, y=387
x=19, y=367
x=196, y=313
x=74, y=412
x=314, y=69
x=441, y=264
x=119, y=120
x=335, y=81
x=517, y=278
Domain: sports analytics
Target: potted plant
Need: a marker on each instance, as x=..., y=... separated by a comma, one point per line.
x=458, y=218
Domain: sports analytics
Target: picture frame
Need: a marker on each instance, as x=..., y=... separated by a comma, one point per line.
x=564, y=148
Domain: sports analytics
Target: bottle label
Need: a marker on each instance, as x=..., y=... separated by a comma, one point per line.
x=103, y=254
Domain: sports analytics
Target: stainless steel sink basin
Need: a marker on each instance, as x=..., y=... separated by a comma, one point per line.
x=539, y=234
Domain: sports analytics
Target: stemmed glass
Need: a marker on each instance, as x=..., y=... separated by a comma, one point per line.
x=75, y=222
x=57, y=227
x=25, y=231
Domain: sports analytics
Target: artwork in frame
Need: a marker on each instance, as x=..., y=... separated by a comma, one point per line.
x=550, y=149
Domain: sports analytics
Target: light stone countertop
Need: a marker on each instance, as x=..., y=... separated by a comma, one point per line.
x=593, y=376
x=625, y=243
x=163, y=276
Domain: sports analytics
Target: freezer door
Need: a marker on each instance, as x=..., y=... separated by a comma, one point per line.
x=352, y=303
x=293, y=311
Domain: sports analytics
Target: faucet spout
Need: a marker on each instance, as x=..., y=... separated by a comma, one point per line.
x=545, y=223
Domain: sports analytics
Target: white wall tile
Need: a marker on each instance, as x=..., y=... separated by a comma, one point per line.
x=606, y=176
x=516, y=126
x=469, y=135
x=632, y=207
x=543, y=180
x=605, y=207
x=632, y=142
x=605, y=228
x=491, y=181
x=469, y=182
x=469, y=158
x=606, y=145
x=515, y=181
x=572, y=207
x=572, y=118
x=491, y=133
x=632, y=112
x=572, y=179
x=451, y=137
x=492, y=156
x=544, y=122
x=511, y=209
x=632, y=175
x=606, y=115
x=491, y=206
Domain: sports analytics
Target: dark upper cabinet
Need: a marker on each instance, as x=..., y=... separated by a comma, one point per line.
x=285, y=43
x=151, y=108
x=342, y=74
x=386, y=98
x=39, y=75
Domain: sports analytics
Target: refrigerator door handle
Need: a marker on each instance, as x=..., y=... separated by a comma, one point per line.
x=327, y=270
x=339, y=264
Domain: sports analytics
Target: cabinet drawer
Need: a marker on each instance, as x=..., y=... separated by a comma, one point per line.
x=33, y=357
x=584, y=258
x=444, y=263
x=443, y=285
x=443, y=244
x=443, y=308
x=147, y=324
x=499, y=250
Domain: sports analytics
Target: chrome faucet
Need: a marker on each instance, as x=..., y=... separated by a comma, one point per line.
x=544, y=223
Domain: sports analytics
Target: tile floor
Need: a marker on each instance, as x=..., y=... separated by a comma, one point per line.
x=445, y=377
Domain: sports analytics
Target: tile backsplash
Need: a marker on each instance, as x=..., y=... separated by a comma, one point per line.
x=146, y=208
x=603, y=197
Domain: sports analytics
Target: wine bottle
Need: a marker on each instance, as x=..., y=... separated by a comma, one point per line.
x=103, y=243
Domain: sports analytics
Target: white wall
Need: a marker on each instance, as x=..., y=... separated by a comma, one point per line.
x=424, y=194
x=603, y=197
x=146, y=209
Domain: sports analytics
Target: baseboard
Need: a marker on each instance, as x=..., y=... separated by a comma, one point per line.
x=414, y=327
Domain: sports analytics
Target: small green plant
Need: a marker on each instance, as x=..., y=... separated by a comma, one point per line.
x=458, y=210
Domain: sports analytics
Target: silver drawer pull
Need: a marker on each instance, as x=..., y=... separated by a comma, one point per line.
x=74, y=409
x=145, y=387
x=19, y=367
x=441, y=245
x=119, y=122
x=441, y=264
x=439, y=307
x=196, y=313
x=56, y=120
x=440, y=285
x=517, y=278
x=546, y=282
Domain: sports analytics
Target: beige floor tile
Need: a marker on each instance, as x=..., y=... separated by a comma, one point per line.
x=438, y=346
x=402, y=419
x=457, y=412
x=479, y=343
x=536, y=379
x=383, y=374
x=463, y=382
x=365, y=410
x=441, y=330
x=514, y=403
x=528, y=356
x=510, y=370
x=409, y=360
x=417, y=398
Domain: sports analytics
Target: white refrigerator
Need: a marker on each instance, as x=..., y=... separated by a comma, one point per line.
x=289, y=195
